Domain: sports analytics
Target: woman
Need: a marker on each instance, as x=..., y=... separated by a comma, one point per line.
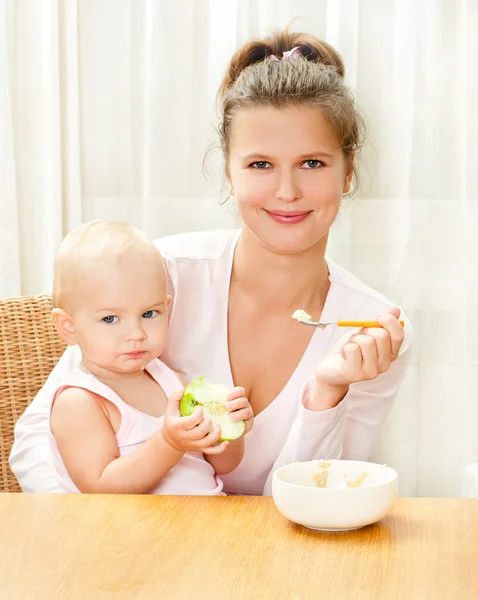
x=290, y=133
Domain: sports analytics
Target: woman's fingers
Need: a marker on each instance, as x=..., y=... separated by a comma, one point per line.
x=367, y=346
x=390, y=323
x=371, y=351
x=352, y=354
x=385, y=354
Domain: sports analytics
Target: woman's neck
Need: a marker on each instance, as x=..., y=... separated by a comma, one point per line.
x=280, y=282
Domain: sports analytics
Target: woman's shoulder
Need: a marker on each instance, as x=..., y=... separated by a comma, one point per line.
x=354, y=291
x=197, y=245
x=358, y=301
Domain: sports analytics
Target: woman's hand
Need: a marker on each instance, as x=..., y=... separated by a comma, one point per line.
x=364, y=356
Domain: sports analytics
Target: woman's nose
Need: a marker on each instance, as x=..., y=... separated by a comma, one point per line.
x=288, y=189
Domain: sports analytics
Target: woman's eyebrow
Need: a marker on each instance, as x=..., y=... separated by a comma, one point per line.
x=261, y=156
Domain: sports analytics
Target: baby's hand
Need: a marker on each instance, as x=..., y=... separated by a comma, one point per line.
x=239, y=407
x=190, y=434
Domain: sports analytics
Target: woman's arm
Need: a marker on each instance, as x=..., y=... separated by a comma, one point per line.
x=30, y=458
x=350, y=429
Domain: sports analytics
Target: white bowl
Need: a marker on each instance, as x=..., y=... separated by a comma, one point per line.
x=336, y=507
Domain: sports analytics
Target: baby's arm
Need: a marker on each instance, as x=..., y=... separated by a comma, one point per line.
x=232, y=454
x=229, y=459
x=89, y=449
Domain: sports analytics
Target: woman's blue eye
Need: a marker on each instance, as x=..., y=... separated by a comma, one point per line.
x=149, y=314
x=110, y=319
x=260, y=164
x=312, y=164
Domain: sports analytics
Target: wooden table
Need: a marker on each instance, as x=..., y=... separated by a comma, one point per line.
x=89, y=547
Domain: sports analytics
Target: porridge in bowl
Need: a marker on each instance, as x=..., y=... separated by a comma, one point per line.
x=334, y=495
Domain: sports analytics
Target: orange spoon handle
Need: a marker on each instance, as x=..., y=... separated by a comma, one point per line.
x=362, y=324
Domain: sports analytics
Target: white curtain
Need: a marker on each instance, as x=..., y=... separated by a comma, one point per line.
x=107, y=110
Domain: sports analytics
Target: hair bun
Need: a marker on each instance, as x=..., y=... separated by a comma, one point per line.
x=312, y=48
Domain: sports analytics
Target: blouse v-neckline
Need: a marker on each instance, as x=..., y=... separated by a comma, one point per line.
x=311, y=349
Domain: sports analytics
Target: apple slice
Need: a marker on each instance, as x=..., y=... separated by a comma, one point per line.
x=212, y=397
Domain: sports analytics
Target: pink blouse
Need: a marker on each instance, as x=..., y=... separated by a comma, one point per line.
x=199, y=266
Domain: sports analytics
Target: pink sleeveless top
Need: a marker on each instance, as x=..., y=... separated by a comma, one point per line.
x=192, y=475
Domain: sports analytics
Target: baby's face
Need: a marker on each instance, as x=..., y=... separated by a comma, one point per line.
x=121, y=313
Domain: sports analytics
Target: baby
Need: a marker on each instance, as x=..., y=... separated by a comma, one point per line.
x=115, y=425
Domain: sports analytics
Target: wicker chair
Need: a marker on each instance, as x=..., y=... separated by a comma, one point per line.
x=29, y=349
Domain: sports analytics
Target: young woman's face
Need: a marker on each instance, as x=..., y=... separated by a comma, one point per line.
x=288, y=174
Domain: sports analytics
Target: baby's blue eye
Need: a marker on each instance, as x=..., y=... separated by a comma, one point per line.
x=110, y=319
x=260, y=164
x=149, y=314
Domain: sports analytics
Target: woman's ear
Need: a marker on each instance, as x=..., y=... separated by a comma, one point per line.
x=349, y=173
x=64, y=323
x=228, y=183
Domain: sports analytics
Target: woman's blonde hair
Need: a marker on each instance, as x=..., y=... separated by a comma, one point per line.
x=314, y=78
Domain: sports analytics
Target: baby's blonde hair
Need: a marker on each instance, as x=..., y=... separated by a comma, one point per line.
x=91, y=243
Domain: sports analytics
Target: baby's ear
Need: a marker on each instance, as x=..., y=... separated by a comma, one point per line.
x=168, y=299
x=64, y=323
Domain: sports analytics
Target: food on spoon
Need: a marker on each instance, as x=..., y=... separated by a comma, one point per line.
x=301, y=316
x=212, y=398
